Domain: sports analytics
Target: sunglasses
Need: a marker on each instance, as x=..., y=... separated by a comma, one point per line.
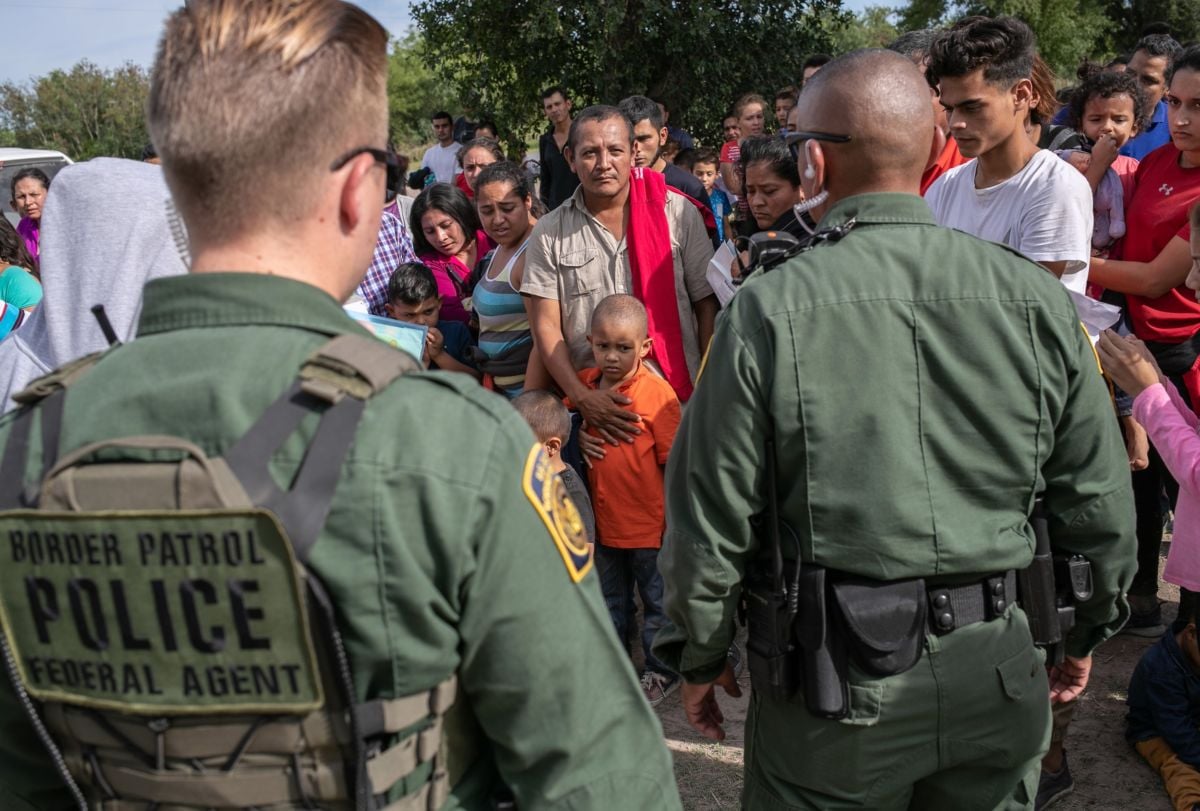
x=388, y=158
x=798, y=137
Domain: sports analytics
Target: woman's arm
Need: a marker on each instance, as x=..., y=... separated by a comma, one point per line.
x=1150, y=279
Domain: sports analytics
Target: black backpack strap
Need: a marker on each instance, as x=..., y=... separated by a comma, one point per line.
x=335, y=382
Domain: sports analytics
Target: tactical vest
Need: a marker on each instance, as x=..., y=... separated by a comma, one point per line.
x=161, y=627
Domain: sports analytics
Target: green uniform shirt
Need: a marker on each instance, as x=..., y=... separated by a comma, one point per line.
x=433, y=552
x=921, y=386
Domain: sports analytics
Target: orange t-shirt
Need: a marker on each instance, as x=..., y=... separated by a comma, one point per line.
x=947, y=160
x=627, y=484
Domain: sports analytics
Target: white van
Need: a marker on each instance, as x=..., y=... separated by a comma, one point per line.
x=14, y=160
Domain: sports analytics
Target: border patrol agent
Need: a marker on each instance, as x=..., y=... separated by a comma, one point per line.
x=884, y=408
x=256, y=558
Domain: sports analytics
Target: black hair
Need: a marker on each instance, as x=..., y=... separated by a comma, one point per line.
x=706, y=155
x=411, y=283
x=555, y=89
x=12, y=248
x=1188, y=59
x=1160, y=45
x=488, y=123
x=545, y=413
x=1003, y=46
x=505, y=172
x=1105, y=84
x=1158, y=27
x=442, y=115
x=490, y=144
x=773, y=151
x=1119, y=59
x=148, y=152
x=448, y=199
x=686, y=159
x=640, y=108
x=25, y=174
x=597, y=112
x=913, y=44
x=816, y=61
x=790, y=92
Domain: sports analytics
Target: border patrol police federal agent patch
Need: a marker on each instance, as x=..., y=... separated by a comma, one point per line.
x=178, y=612
x=549, y=496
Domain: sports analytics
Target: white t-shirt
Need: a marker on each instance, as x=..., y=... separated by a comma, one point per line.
x=443, y=160
x=1044, y=211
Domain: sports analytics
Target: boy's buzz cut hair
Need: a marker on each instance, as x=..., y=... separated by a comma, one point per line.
x=621, y=309
x=411, y=283
x=546, y=415
x=1004, y=47
x=231, y=75
x=706, y=155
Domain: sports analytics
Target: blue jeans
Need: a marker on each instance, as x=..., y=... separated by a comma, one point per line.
x=620, y=570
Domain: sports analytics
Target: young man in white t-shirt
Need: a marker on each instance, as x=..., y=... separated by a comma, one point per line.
x=442, y=157
x=1012, y=192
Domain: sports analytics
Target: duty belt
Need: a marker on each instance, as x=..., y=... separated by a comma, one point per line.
x=952, y=607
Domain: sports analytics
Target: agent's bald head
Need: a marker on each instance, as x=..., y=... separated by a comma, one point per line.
x=881, y=100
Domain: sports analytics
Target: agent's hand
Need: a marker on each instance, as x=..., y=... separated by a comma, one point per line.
x=1068, y=679
x=1128, y=362
x=700, y=704
x=1105, y=151
x=601, y=409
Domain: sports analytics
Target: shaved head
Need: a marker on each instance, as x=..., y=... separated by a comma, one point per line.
x=881, y=100
x=620, y=310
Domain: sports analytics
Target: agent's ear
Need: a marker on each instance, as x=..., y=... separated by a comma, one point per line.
x=361, y=196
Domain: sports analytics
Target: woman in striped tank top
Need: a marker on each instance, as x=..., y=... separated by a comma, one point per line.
x=505, y=206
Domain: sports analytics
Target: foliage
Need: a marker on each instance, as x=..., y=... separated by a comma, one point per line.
x=1129, y=17
x=503, y=55
x=84, y=112
x=415, y=92
x=873, y=27
x=1068, y=31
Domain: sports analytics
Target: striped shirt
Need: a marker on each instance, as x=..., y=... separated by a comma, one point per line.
x=503, y=322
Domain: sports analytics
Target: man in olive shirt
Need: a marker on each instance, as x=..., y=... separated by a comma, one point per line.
x=440, y=554
x=920, y=387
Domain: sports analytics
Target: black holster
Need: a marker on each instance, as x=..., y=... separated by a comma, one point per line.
x=1049, y=589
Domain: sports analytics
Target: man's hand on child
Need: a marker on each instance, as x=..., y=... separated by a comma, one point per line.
x=700, y=703
x=602, y=409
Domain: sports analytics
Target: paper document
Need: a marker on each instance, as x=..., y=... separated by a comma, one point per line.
x=720, y=273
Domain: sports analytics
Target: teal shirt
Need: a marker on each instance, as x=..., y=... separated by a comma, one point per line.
x=19, y=288
x=921, y=387
x=433, y=553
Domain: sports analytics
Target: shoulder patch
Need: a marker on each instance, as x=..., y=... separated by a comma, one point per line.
x=546, y=491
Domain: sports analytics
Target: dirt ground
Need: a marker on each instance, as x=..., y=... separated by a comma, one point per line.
x=1108, y=773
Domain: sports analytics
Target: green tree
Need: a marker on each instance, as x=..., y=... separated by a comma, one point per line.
x=1068, y=31
x=1131, y=16
x=697, y=56
x=871, y=28
x=84, y=112
x=415, y=92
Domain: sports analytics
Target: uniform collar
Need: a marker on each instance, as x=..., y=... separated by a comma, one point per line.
x=879, y=207
x=239, y=299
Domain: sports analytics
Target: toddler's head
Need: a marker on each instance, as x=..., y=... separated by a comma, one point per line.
x=549, y=420
x=413, y=295
x=619, y=337
x=1107, y=103
x=704, y=167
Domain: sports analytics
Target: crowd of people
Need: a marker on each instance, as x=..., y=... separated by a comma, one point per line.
x=580, y=288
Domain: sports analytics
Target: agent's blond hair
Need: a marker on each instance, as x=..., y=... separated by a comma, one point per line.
x=251, y=101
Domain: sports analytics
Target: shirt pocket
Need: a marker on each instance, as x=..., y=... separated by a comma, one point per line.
x=581, y=272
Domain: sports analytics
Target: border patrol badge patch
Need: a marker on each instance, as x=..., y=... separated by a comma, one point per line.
x=548, y=494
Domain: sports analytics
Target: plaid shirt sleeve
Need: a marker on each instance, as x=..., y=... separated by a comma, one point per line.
x=393, y=249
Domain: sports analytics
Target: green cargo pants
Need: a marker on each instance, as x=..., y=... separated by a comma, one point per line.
x=965, y=728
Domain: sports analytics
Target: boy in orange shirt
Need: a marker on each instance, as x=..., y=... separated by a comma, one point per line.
x=627, y=484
